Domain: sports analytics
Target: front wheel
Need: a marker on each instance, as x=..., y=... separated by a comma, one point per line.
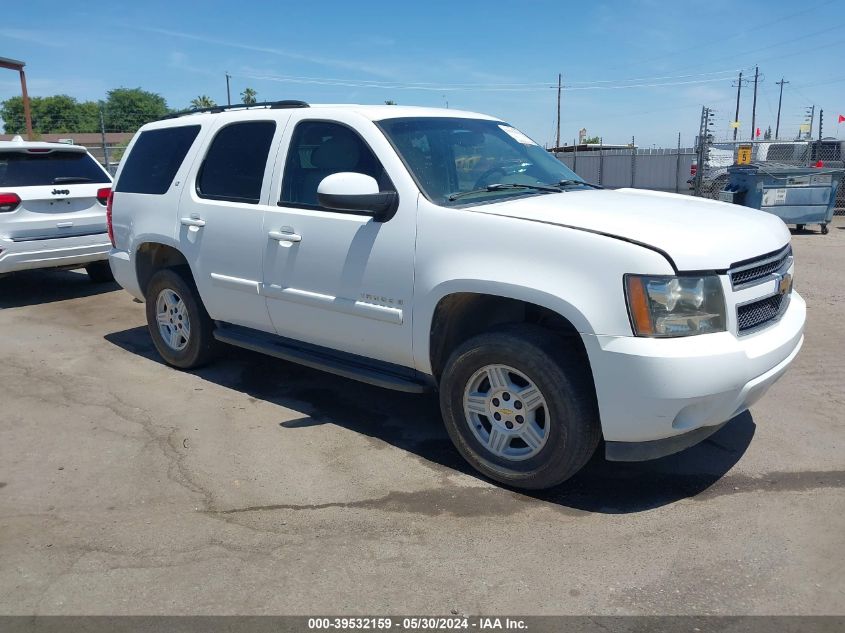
x=520, y=407
x=179, y=325
x=825, y=230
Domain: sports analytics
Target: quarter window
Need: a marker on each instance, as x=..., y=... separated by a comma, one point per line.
x=319, y=149
x=155, y=158
x=234, y=167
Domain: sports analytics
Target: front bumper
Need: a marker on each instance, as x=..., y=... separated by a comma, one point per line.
x=679, y=391
x=54, y=253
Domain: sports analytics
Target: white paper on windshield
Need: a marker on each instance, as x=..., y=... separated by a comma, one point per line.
x=516, y=135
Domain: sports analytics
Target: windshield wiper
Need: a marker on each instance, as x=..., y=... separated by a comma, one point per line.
x=571, y=182
x=502, y=187
x=69, y=180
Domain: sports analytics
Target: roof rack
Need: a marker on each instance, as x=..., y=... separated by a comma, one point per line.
x=272, y=105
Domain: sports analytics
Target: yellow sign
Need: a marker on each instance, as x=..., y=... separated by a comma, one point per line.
x=743, y=156
x=804, y=127
x=734, y=124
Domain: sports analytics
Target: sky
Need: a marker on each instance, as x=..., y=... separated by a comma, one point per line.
x=636, y=68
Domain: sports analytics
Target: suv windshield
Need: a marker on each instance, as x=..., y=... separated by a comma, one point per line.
x=21, y=169
x=466, y=161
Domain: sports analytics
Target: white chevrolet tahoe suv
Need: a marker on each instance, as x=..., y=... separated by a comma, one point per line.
x=52, y=208
x=421, y=249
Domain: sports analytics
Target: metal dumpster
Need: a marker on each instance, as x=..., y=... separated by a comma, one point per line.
x=797, y=195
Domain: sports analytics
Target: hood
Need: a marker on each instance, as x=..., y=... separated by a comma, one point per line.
x=698, y=234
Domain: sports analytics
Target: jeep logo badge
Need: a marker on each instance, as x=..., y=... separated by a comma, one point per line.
x=60, y=192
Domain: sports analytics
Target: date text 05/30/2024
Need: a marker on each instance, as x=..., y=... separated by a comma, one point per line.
x=416, y=623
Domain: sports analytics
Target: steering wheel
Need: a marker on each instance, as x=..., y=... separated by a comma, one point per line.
x=481, y=181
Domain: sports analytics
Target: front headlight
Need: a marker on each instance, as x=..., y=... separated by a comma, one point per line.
x=663, y=306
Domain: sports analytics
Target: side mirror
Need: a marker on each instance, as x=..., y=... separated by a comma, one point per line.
x=350, y=191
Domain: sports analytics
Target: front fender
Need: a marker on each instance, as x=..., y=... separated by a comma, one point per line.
x=576, y=274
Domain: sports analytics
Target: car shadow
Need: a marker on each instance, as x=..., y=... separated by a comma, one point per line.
x=34, y=287
x=412, y=423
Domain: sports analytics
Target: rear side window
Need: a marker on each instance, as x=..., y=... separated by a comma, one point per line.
x=155, y=158
x=24, y=169
x=234, y=167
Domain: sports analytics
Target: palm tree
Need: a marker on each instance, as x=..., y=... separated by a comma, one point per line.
x=203, y=101
x=249, y=96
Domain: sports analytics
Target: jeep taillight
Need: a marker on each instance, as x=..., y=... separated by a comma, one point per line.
x=103, y=195
x=9, y=202
x=109, y=204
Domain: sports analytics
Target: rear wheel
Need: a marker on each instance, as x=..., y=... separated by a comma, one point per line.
x=520, y=407
x=99, y=272
x=179, y=325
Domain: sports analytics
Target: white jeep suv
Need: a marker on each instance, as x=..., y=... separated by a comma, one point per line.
x=53, y=208
x=421, y=249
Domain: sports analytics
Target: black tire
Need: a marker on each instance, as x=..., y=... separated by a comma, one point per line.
x=799, y=227
x=562, y=376
x=825, y=230
x=99, y=272
x=201, y=345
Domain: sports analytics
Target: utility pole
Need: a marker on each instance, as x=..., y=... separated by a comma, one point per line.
x=754, y=105
x=738, y=91
x=821, y=123
x=557, y=142
x=780, y=100
x=228, y=93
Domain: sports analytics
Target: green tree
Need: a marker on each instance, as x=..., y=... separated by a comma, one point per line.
x=57, y=114
x=203, y=101
x=593, y=140
x=390, y=102
x=248, y=96
x=127, y=109
x=12, y=113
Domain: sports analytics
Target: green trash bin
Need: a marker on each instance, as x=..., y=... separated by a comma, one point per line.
x=797, y=195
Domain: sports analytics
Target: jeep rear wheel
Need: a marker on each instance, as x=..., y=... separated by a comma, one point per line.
x=519, y=406
x=179, y=325
x=99, y=272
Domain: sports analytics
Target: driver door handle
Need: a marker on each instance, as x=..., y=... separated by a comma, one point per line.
x=285, y=236
x=192, y=221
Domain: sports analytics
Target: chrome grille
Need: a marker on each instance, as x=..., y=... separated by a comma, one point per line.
x=753, y=315
x=760, y=269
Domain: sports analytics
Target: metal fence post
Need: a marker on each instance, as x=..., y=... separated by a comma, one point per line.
x=678, y=166
x=105, y=145
x=601, y=160
x=633, y=161
x=575, y=158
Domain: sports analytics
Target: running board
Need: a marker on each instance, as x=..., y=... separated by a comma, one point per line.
x=359, y=368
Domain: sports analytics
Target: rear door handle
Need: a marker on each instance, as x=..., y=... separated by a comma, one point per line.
x=285, y=236
x=192, y=221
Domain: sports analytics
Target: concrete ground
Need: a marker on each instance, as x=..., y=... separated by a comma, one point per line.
x=257, y=486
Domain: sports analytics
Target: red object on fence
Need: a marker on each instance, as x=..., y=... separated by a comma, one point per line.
x=758, y=131
x=819, y=163
x=841, y=118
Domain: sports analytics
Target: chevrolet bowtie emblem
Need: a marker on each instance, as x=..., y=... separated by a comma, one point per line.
x=785, y=284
